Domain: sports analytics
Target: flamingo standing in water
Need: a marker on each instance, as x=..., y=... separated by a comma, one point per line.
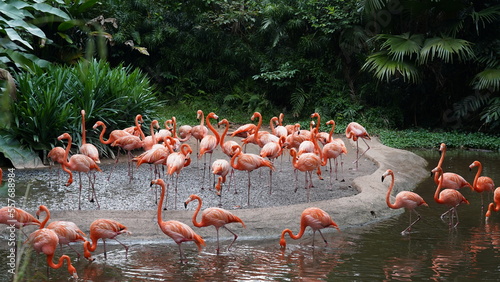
x=104, y=229
x=87, y=148
x=481, y=183
x=79, y=163
x=332, y=149
x=66, y=231
x=450, y=180
x=176, y=230
x=45, y=241
x=404, y=199
x=355, y=131
x=214, y=216
x=495, y=206
x=316, y=218
x=17, y=217
x=208, y=144
x=449, y=197
x=248, y=162
x=176, y=162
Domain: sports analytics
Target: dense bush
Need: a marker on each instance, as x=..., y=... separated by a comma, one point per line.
x=49, y=103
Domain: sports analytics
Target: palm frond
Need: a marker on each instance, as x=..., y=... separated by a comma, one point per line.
x=385, y=67
x=485, y=16
x=446, y=48
x=403, y=45
x=487, y=79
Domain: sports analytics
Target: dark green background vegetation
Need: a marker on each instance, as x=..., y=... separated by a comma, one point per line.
x=416, y=66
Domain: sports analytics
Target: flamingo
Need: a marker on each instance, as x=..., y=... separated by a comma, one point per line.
x=481, y=183
x=244, y=131
x=272, y=151
x=136, y=130
x=176, y=162
x=450, y=180
x=355, y=131
x=316, y=218
x=260, y=137
x=79, y=163
x=495, y=206
x=332, y=149
x=449, y=197
x=226, y=146
x=45, y=241
x=113, y=136
x=66, y=231
x=290, y=128
x=220, y=167
x=248, y=162
x=209, y=143
x=307, y=162
x=104, y=229
x=199, y=131
x=178, y=231
x=56, y=154
x=185, y=132
x=17, y=218
x=404, y=199
x=279, y=130
x=214, y=216
x=162, y=133
x=87, y=148
x=150, y=141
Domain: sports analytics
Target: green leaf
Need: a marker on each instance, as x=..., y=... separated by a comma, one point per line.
x=20, y=157
x=14, y=36
x=445, y=48
x=42, y=7
x=487, y=79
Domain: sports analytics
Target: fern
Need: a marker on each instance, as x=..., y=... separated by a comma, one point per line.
x=469, y=104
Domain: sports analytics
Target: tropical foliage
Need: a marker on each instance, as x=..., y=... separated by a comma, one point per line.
x=51, y=102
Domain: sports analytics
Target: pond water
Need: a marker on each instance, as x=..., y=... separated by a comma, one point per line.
x=376, y=252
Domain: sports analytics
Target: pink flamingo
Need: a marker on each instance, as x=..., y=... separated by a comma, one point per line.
x=45, y=241
x=449, y=197
x=80, y=163
x=199, y=131
x=248, y=162
x=176, y=230
x=176, y=162
x=495, y=206
x=450, y=180
x=481, y=183
x=272, y=151
x=404, y=199
x=226, y=146
x=66, y=231
x=214, y=216
x=355, y=131
x=104, y=229
x=332, y=149
x=220, y=167
x=209, y=143
x=17, y=217
x=87, y=148
x=316, y=218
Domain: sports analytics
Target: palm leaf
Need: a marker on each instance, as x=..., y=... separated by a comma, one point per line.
x=445, y=48
x=385, y=67
x=401, y=46
x=485, y=16
x=487, y=79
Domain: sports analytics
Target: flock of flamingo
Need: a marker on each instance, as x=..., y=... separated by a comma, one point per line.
x=166, y=149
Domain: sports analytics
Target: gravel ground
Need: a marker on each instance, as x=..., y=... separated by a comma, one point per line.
x=357, y=201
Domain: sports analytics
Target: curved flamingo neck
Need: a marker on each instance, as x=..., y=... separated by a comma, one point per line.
x=209, y=125
x=139, y=127
x=280, y=119
x=388, y=195
x=442, y=150
x=439, y=173
x=259, y=124
x=84, y=133
x=332, y=130
x=295, y=237
x=169, y=144
x=226, y=123
x=101, y=136
x=174, y=123
x=71, y=268
x=478, y=173
x=319, y=120
x=293, y=153
x=185, y=149
x=47, y=215
x=195, y=215
x=202, y=118
x=160, y=204
x=271, y=124
x=237, y=152
x=66, y=152
x=152, y=131
x=315, y=142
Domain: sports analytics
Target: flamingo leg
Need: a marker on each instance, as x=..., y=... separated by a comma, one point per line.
x=270, y=181
x=248, y=193
x=80, y=193
x=357, y=151
x=125, y=246
x=323, y=237
x=116, y=161
x=218, y=248
x=235, y=237
x=104, y=246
